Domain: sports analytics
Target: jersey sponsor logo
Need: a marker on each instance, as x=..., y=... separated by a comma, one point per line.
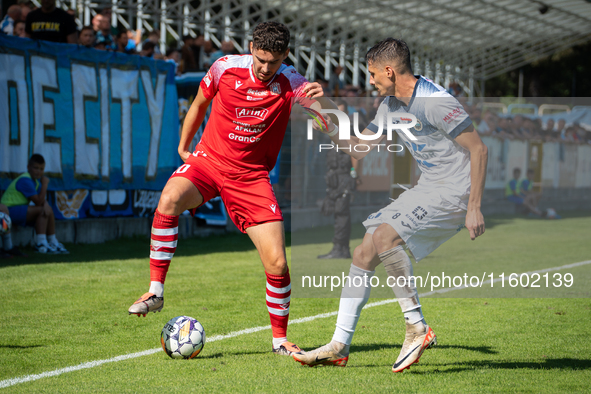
x=242, y=138
x=254, y=112
x=237, y=84
x=275, y=88
x=405, y=225
x=255, y=92
x=251, y=98
x=453, y=115
x=273, y=208
x=419, y=212
x=196, y=153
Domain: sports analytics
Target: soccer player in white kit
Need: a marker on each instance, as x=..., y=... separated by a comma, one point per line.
x=452, y=158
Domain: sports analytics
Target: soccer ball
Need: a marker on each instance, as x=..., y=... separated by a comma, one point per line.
x=182, y=337
x=5, y=223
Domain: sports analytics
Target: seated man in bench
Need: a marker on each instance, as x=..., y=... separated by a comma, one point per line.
x=32, y=186
x=514, y=192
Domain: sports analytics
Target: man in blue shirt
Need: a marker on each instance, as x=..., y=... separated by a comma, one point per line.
x=519, y=192
x=32, y=186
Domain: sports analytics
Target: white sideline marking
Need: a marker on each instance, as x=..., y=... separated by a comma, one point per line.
x=92, y=364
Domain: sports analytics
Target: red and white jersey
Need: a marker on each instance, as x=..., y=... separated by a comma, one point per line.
x=248, y=117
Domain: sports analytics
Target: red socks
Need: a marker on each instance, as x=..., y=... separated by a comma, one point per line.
x=278, y=297
x=165, y=229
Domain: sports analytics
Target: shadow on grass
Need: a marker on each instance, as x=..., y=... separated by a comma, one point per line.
x=382, y=346
x=135, y=248
x=20, y=347
x=551, y=363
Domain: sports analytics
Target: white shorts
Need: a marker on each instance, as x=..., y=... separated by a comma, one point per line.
x=423, y=217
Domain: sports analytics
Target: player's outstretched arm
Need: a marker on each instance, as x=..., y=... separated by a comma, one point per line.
x=470, y=140
x=348, y=145
x=192, y=123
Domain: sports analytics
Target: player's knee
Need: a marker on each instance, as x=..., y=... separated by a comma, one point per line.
x=47, y=209
x=168, y=202
x=359, y=255
x=276, y=265
x=385, y=237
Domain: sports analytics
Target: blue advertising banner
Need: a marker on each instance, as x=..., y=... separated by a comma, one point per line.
x=101, y=120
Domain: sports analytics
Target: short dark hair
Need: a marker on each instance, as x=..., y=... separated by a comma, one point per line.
x=37, y=159
x=391, y=50
x=148, y=46
x=87, y=28
x=271, y=37
x=122, y=31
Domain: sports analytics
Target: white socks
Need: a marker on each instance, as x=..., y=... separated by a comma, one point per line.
x=157, y=288
x=398, y=265
x=354, y=296
x=52, y=240
x=278, y=341
x=41, y=239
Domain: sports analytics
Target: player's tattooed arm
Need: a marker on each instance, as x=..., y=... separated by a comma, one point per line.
x=192, y=123
x=470, y=140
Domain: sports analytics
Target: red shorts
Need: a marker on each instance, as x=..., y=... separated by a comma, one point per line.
x=249, y=199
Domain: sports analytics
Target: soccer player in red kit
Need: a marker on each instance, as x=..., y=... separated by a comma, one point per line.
x=252, y=96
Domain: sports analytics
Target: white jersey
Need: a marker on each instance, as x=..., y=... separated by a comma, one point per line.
x=440, y=118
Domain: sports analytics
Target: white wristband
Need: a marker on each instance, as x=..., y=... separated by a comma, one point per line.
x=334, y=132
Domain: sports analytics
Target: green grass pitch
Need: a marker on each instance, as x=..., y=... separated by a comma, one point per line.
x=61, y=311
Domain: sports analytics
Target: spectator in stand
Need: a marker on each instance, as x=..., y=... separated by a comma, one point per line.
x=488, y=124
x=51, y=24
x=513, y=193
x=104, y=33
x=226, y=49
x=26, y=7
x=108, y=13
x=336, y=87
x=516, y=127
x=148, y=49
x=549, y=130
x=173, y=56
x=503, y=129
x=207, y=51
x=102, y=45
x=133, y=39
x=455, y=89
x=324, y=84
x=476, y=116
x=32, y=187
x=197, y=48
x=188, y=61
x=122, y=41
x=154, y=38
x=13, y=14
x=96, y=21
x=19, y=29
x=580, y=133
x=86, y=37
x=560, y=128
x=569, y=135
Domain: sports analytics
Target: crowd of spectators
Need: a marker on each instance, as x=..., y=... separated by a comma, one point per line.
x=50, y=23
x=522, y=127
x=197, y=54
